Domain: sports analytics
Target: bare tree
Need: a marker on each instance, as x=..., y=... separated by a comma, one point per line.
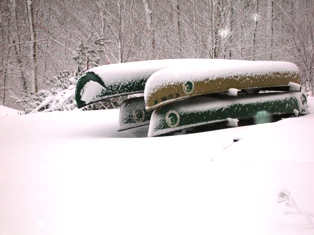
x=302, y=37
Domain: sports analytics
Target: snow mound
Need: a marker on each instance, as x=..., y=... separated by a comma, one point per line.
x=5, y=111
x=64, y=173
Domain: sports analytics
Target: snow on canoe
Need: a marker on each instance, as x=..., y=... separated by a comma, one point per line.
x=182, y=82
x=217, y=109
x=112, y=80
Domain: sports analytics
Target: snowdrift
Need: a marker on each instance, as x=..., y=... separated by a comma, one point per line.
x=74, y=173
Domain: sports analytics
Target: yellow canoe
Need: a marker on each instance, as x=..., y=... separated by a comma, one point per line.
x=179, y=83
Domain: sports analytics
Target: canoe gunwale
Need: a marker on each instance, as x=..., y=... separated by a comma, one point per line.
x=134, y=127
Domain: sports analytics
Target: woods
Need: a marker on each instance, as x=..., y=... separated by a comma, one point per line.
x=41, y=39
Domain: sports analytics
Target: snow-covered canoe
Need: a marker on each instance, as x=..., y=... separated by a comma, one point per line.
x=217, y=109
x=112, y=80
x=133, y=116
x=178, y=83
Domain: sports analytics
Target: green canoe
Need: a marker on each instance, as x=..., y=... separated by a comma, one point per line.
x=123, y=79
x=133, y=116
x=178, y=83
x=217, y=109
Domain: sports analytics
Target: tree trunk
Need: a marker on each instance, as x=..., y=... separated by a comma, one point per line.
x=213, y=53
x=178, y=22
x=5, y=38
x=230, y=28
x=149, y=22
x=120, y=32
x=255, y=18
x=30, y=9
x=17, y=47
x=270, y=27
x=5, y=63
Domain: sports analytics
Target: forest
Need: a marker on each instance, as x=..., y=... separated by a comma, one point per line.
x=47, y=45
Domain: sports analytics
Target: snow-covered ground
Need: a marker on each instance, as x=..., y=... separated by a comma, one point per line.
x=73, y=173
x=5, y=111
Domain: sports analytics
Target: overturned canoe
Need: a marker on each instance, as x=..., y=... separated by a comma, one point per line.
x=205, y=110
x=178, y=83
x=133, y=116
x=113, y=80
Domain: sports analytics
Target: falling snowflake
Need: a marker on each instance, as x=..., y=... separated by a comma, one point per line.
x=256, y=17
x=224, y=32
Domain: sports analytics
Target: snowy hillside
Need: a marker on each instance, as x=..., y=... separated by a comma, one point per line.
x=73, y=173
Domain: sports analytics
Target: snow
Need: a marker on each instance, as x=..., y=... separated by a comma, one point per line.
x=130, y=71
x=5, y=111
x=232, y=122
x=233, y=92
x=74, y=173
x=90, y=91
x=294, y=86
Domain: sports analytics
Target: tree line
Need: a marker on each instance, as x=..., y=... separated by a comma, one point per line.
x=42, y=40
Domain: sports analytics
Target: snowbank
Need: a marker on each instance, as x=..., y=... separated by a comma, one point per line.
x=5, y=111
x=73, y=173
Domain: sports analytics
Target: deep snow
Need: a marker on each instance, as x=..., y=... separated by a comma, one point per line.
x=73, y=173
